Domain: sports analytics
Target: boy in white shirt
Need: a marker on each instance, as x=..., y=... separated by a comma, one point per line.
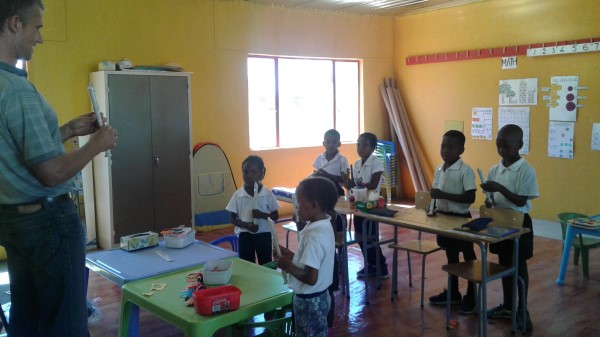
x=331, y=164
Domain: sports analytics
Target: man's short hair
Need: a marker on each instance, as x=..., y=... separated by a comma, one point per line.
x=21, y=8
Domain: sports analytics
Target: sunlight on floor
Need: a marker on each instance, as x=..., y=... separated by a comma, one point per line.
x=4, y=278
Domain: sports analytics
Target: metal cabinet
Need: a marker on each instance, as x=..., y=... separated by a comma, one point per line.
x=146, y=183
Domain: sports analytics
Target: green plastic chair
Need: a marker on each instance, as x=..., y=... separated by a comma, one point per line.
x=581, y=244
x=278, y=324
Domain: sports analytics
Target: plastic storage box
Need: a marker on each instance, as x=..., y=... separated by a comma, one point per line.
x=217, y=272
x=179, y=239
x=139, y=241
x=216, y=300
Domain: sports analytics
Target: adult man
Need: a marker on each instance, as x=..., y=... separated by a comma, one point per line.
x=39, y=224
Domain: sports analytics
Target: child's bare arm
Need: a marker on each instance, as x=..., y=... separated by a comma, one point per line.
x=306, y=275
x=326, y=174
x=467, y=198
x=235, y=220
x=375, y=178
x=492, y=186
x=262, y=215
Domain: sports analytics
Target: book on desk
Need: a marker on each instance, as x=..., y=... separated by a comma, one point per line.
x=491, y=231
x=592, y=222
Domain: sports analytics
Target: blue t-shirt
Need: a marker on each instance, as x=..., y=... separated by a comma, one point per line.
x=29, y=135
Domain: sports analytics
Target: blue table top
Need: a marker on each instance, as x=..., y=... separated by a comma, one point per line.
x=121, y=267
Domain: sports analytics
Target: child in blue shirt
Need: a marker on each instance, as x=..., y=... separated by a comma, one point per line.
x=454, y=191
x=513, y=184
x=254, y=239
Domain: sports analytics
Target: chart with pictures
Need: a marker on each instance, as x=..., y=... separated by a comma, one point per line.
x=481, y=123
x=517, y=92
x=518, y=116
x=560, y=139
x=563, y=98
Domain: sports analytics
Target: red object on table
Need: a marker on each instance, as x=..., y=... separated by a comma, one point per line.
x=218, y=299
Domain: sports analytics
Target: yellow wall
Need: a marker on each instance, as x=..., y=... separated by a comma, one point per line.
x=448, y=91
x=211, y=39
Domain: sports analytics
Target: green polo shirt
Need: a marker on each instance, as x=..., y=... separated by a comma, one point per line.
x=29, y=135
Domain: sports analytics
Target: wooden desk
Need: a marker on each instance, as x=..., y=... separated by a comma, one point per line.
x=262, y=290
x=443, y=225
x=572, y=231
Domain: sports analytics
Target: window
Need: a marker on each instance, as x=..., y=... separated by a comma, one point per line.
x=293, y=101
x=20, y=64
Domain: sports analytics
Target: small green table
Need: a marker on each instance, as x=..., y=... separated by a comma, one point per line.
x=262, y=290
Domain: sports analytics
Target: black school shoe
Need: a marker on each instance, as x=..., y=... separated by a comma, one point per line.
x=442, y=298
x=372, y=271
x=528, y=323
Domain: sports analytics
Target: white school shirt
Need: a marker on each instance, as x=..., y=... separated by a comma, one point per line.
x=335, y=166
x=242, y=204
x=365, y=171
x=316, y=249
x=519, y=178
x=457, y=179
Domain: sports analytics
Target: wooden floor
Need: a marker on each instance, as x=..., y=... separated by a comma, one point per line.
x=570, y=310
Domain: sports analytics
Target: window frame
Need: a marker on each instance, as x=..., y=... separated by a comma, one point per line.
x=334, y=113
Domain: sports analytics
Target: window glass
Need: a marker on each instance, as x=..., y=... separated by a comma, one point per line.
x=293, y=101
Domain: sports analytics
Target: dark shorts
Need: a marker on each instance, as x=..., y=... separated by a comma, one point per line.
x=525, y=242
x=451, y=243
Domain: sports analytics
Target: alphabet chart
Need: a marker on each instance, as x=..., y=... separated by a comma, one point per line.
x=518, y=116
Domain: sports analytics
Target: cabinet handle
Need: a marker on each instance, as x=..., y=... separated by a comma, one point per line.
x=156, y=161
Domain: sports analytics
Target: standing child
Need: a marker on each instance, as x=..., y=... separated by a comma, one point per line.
x=311, y=268
x=332, y=164
x=513, y=183
x=454, y=191
x=254, y=239
x=367, y=173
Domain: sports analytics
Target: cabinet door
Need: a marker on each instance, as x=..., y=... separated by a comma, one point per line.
x=131, y=170
x=171, y=150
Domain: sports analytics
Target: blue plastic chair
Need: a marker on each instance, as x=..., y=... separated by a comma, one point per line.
x=231, y=239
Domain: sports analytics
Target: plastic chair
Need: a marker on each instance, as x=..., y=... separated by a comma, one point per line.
x=280, y=324
x=231, y=239
x=419, y=246
x=581, y=244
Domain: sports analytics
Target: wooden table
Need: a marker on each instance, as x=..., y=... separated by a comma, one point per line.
x=443, y=225
x=262, y=290
x=572, y=231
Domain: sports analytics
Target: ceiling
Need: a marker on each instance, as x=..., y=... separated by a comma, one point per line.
x=369, y=7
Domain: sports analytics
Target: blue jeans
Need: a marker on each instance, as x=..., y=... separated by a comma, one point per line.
x=46, y=266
